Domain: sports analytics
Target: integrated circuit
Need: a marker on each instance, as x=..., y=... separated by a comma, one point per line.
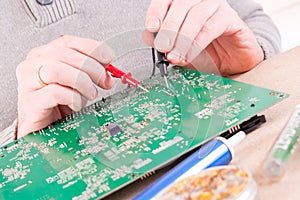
x=113, y=128
x=115, y=141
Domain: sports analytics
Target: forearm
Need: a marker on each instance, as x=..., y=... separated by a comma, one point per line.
x=261, y=24
x=8, y=134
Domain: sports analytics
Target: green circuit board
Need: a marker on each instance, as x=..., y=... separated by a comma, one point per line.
x=122, y=138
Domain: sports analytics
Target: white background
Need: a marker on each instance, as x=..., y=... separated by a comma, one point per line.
x=286, y=15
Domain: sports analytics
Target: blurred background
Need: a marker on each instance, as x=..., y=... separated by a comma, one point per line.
x=286, y=15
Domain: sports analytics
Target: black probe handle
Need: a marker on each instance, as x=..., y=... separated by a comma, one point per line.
x=162, y=62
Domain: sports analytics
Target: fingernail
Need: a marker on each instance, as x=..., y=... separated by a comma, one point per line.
x=77, y=105
x=184, y=62
x=163, y=43
x=109, y=81
x=153, y=24
x=174, y=57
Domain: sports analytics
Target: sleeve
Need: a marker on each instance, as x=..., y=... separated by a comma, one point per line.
x=8, y=134
x=260, y=23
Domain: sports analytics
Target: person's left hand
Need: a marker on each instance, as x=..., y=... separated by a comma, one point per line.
x=185, y=28
x=58, y=78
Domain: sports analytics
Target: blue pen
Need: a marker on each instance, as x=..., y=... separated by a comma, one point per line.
x=216, y=152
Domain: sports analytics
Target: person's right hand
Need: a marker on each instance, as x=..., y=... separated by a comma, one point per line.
x=58, y=78
x=186, y=28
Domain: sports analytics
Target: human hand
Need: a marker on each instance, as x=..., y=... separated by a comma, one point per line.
x=185, y=28
x=58, y=78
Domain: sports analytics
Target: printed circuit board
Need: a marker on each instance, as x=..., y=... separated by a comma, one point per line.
x=122, y=138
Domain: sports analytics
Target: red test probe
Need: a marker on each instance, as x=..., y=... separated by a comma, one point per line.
x=126, y=78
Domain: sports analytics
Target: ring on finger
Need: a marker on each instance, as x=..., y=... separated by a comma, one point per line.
x=40, y=80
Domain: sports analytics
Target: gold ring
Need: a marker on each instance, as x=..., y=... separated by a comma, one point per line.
x=38, y=74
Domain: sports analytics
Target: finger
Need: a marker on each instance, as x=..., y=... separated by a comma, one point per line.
x=148, y=38
x=194, y=22
x=95, y=49
x=90, y=66
x=197, y=16
x=54, y=72
x=212, y=29
x=82, y=53
x=92, y=48
x=45, y=110
x=205, y=61
x=156, y=14
x=53, y=95
x=178, y=53
x=216, y=26
x=65, y=75
x=65, y=110
x=175, y=17
x=66, y=56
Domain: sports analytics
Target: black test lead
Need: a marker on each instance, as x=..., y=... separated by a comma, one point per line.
x=162, y=63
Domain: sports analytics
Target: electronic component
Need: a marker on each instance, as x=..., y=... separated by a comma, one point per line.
x=113, y=128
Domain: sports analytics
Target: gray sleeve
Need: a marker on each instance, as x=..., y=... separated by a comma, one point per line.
x=260, y=23
x=8, y=134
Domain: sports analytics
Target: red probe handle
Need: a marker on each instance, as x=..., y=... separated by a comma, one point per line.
x=125, y=77
x=114, y=71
